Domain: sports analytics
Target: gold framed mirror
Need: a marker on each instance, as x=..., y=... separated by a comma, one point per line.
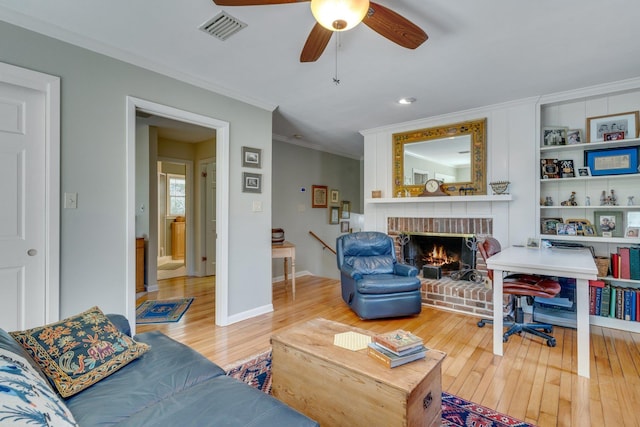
x=454, y=154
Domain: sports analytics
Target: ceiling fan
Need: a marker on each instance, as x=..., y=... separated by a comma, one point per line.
x=384, y=21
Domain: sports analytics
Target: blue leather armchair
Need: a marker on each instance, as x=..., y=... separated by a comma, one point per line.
x=374, y=284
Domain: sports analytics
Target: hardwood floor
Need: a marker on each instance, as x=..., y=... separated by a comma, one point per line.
x=532, y=382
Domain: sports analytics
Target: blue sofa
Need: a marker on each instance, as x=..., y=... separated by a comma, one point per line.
x=374, y=284
x=170, y=385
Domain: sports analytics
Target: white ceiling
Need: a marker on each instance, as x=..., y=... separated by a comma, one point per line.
x=479, y=52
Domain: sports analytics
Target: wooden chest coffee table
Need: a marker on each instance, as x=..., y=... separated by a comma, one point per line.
x=340, y=387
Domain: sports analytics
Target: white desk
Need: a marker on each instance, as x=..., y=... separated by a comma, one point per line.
x=573, y=263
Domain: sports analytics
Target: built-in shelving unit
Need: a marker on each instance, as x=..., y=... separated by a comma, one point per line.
x=572, y=111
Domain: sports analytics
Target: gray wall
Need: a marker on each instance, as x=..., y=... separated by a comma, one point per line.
x=93, y=164
x=296, y=167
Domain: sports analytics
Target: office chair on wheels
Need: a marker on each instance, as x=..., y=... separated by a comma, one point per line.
x=521, y=285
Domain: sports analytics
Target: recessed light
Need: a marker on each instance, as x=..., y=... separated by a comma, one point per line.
x=297, y=136
x=407, y=101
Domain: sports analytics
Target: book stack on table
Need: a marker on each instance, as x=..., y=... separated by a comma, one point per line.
x=396, y=348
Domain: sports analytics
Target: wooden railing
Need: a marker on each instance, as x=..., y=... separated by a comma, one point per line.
x=324, y=244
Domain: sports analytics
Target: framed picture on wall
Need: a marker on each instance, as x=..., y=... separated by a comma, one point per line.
x=334, y=215
x=251, y=157
x=318, y=196
x=251, y=182
x=345, y=209
x=344, y=226
x=335, y=196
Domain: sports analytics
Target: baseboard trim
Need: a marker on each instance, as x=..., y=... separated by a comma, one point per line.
x=249, y=314
x=298, y=274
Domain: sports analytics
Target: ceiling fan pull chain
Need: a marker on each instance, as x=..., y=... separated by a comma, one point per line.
x=336, y=80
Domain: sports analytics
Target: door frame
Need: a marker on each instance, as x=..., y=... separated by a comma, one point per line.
x=50, y=86
x=134, y=104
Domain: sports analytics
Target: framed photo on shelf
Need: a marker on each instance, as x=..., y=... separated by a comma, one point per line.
x=633, y=219
x=612, y=161
x=334, y=214
x=549, y=168
x=251, y=157
x=566, y=168
x=581, y=225
x=549, y=225
x=251, y=182
x=632, y=232
x=318, y=196
x=554, y=135
x=598, y=126
x=564, y=229
x=574, y=136
x=586, y=171
x=608, y=223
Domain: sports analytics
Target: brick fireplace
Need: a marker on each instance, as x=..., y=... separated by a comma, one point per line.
x=458, y=295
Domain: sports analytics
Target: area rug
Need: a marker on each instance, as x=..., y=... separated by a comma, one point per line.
x=162, y=311
x=456, y=412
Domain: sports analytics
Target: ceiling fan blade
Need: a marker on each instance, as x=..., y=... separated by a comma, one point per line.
x=253, y=2
x=394, y=27
x=315, y=44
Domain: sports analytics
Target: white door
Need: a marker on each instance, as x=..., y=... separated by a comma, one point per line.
x=22, y=211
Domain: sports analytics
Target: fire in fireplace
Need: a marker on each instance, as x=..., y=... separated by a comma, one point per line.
x=441, y=257
x=449, y=252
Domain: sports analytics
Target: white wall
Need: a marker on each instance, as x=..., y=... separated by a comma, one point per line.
x=511, y=155
x=93, y=164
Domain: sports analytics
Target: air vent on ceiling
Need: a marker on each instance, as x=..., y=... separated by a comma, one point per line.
x=222, y=26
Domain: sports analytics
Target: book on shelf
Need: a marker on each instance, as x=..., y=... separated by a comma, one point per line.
x=604, y=301
x=615, y=265
x=634, y=262
x=625, y=265
x=390, y=359
x=398, y=340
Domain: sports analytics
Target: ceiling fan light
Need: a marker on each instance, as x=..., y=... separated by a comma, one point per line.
x=339, y=15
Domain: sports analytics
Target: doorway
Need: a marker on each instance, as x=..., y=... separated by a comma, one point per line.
x=135, y=106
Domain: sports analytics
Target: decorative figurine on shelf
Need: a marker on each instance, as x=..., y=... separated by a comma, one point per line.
x=608, y=200
x=571, y=201
x=630, y=201
x=587, y=201
x=548, y=201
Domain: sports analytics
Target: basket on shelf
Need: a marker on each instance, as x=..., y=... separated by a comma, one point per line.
x=602, y=263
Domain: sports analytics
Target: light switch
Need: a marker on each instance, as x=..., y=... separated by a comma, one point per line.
x=71, y=200
x=257, y=206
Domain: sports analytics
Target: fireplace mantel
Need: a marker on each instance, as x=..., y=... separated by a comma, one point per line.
x=442, y=199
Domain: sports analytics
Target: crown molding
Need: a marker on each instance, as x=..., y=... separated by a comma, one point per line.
x=61, y=34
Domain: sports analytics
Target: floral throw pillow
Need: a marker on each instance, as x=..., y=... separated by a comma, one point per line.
x=25, y=397
x=79, y=351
